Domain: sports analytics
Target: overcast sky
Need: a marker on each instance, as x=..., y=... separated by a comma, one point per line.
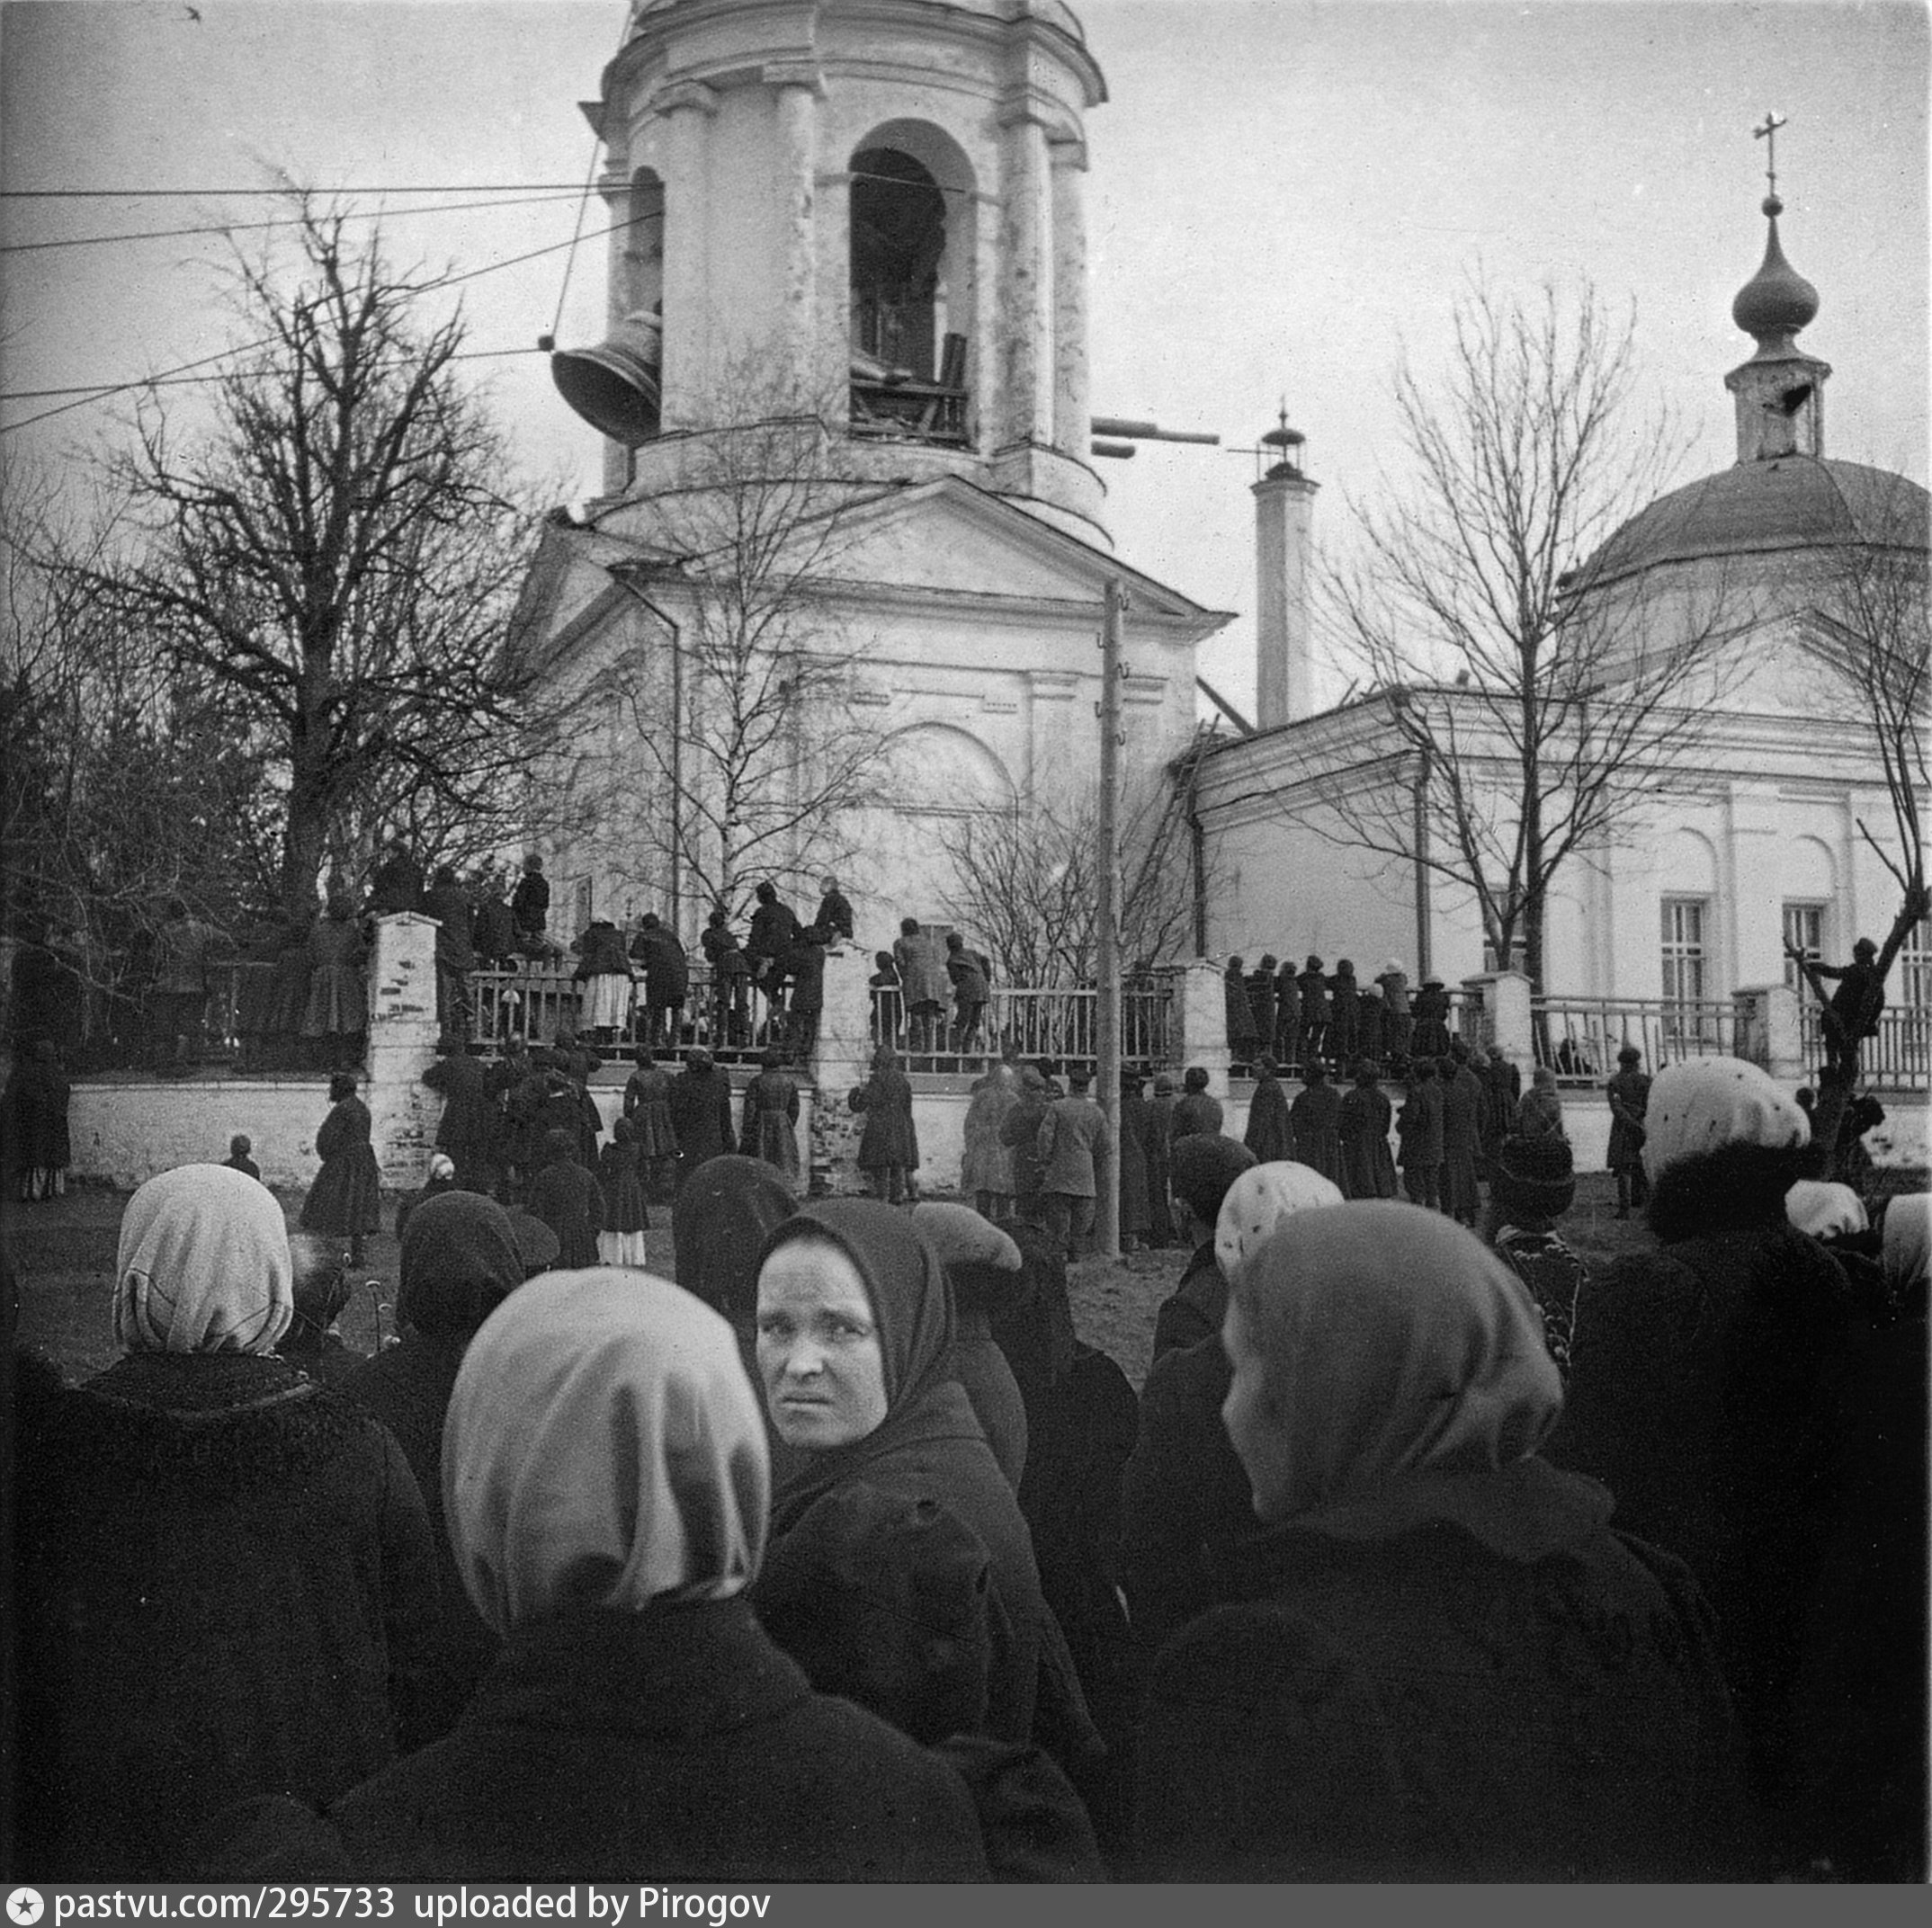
x=1284, y=194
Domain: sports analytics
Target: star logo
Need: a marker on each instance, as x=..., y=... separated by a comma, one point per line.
x=24, y=1907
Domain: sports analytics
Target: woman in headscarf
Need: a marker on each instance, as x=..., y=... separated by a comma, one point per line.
x=1702, y=1375
x=771, y=1117
x=648, y=1106
x=855, y=1333
x=986, y=1276
x=568, y=1199
x=441, y=1178
x=1449, y=1668
x=1362, y=1127
x=346, y=1201
x=36, y=1148
x=986, y=1166
x=1316, y=1117
x=1269, y=1135
x=621, y=1179
x=889, y=1146
x=232, y=1582
x=606, y=1483
x=336, y=1013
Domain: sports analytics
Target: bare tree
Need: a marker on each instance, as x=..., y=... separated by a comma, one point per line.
x=1533, y=704
x=741, y=690
x=337, y=558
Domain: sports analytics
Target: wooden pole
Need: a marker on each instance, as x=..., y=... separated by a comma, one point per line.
x=1107, y=1012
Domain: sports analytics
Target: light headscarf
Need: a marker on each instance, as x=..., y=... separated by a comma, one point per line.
x=1710, y=1102
x=1824, y=1210
x=603, y=1448
x=1908, y=1243
x=1260, y=1200
x=1395, y=1343
x=203, y=1265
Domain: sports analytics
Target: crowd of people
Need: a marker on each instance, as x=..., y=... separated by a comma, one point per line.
x=1421, y=1555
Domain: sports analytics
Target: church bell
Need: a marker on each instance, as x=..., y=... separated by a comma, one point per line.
x=616, y=387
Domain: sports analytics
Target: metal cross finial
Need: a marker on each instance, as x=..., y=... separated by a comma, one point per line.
x=1768, y=133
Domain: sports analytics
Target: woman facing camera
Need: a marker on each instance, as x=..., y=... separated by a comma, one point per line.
x=1449, y=1666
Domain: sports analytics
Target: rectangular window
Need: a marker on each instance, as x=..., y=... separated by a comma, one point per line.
x=1683, y=950
x=1804, y=930
x=1915, y=967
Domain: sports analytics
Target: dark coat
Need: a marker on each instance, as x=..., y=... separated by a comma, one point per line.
x=33, y=1119
x=1261, y=1006
x=599, y=952
x=1399, y=1700
x=530, y=903
x=233, y=1594
x=1287, y=1012
x=1196, y=1111
x=774, y=929
x=1630, y=1099
x=1073, y=1143
x=455, y=915
x=1269, y=1135
x=701, y=1115
x=648, y=1105
x=1461, y=1140
x=1136, y=1207
x=986, y=1163
x=674, y=1745
x=1368, y=1170
x=1158, y=1139
x=493, y=931
x=1242, y=1035
x=568, y=1199
x=1314, y=989
x=922, y=970
x=397, y=884
x=466, y=1129
x=1195, y=1308
x=889, y=1137
x=992, y=1391
x=1316, y=1116
x=1020, y=1132
x=804, y=964
x=834, y=916
x=1429, y=1036
x=771, y=1116
x=345, y=1199
x=337, y=1001
x=1185, y=1501
x=667, y=970
x=622, y=1181
x=1420, y=1129
x=1342, y=1004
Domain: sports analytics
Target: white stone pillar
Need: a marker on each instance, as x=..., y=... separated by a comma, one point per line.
x=1025, y=321
x=844, y=1059
x=1284, y=683
x=687, y=108
x=402, y=1043
x=1073, y=409
x=798, y=88
x=832, y=238
x=1507, y=1026
x=1201, y=1019
x=1769, y=1031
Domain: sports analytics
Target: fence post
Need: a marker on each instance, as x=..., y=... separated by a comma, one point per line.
x=1769, y=1033
x=1508, y=1023
x=1199, y=1035
x=402, y=1042
x=843, y=1058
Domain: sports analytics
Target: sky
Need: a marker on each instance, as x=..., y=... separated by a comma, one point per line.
x=1284, y=198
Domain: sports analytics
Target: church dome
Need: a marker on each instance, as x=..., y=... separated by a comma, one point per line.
x=1055, y=12
x=1766, y=508
x=1778, y=300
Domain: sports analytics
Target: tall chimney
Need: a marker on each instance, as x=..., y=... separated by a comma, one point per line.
x=1285, y=502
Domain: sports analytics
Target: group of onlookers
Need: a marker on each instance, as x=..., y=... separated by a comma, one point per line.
x=1302, y=1017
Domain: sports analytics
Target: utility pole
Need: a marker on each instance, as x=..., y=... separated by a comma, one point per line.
x=1107, y=1003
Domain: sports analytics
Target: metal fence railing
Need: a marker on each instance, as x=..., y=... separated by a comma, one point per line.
x=1579, y=1038
x=1898, y=1058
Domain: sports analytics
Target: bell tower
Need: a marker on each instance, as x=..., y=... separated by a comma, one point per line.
x=867, y=210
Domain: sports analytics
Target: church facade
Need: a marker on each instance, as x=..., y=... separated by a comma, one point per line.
x=843, y=590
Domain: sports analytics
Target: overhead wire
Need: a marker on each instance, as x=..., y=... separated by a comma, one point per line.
x=277, y=194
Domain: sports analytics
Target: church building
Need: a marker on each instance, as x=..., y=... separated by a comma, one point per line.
x=843, y=588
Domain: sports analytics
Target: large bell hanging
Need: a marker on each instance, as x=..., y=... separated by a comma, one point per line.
x=616, y=386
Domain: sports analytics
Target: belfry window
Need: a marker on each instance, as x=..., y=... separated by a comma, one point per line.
x=908, y=368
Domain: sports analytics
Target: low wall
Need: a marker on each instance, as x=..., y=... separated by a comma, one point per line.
x=125, y=1132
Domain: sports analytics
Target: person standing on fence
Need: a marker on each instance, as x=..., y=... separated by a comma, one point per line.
x=986, y=1169
x=834, y=916
x=1261, y=1003
x=667, y=978
x=1630, y=1096
x=1287, y=1014
x=769, y=1129
x=339, y=1008
x=1344, y=1045
x=805, y=966
x=492, y=924
x=1461, y=1137
x=924, y=985
x=397, y=883
x=530, y=906
x=889, y=1146
x=1243, y=1040
x=971, y=990
x=1852, y=1012
x=1429, y=1037
x=1316, y=1116
x=648, y=1106
x=604, y=973
x=1073, y=1141
x=1396, y=1021
x=448, y=902
x=888, y=1001
x=184, y=946
x=774, y=929
x=1313, y=1035
x=730, y=1007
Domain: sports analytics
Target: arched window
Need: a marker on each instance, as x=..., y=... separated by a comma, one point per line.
x=898, y=242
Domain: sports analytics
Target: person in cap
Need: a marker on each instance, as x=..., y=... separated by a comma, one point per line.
x=1196, y=1111
x=1532, y=1185
x=1851, y=1013
x=606, y=1485
x=1203, y=1167
x=233, y=1591
x=344, y=1201
x=1316, y=1115
x=1629, y=1091
x=1419, y=1130
x=1185, y=1502
x=1429, y=1008
x=985, y=1275
x=1702, y=1375
x=1074, y=1143
x=1157, y=1144
x=1411, y=1689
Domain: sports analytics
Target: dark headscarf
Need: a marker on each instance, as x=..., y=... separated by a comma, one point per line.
x=460, y=1262
x=720, y=1222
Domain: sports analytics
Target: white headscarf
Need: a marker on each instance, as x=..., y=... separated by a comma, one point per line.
x=203, y=1265
x=1908, y=1243
x=602, y=1448
x=1824, y=1210
x=1260, y=1200
x=1709, y=1103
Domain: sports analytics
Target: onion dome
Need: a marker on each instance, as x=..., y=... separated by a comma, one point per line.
x=1778, y=300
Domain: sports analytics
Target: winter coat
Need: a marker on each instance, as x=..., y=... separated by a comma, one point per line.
x=455, y=915
x=1261, y=1006
x=33, y=1119
x=771, y=1116
x=1429, y=1035
x=1269, y=1135
x=648, y=1106
x=1420, y=1129
x=1314, y=989
x=466, y=1129
x=835, y=916
x=922, y=970
x=986, y=1165
x=667, y=970
x=1196, y=1111
x=1195, y=1308
x=338, y=1000
x=992, y=1392
x=622, y=1183
x=1395, y=992
x=568, y=1199
x=345, y=1200
x=1242, y=1035
x=700, y=1115
x=1136, y=1207
x=1630, y=1098
x=1316, y=1116
x=233, y=1595
x=1406, y=1698
x=969, y=987
x=1020, y=1133
x=1461, y=1098
x=1073, y=1140
x=493, y=932
x=1287, y=1012
x=675, y=1744
x=889, y=1137
x=1342, y=1004
x=1368, y=1170
x=600, y=953
x=530, y=903
x=396, y=885
x=804, y=964
x=774, y=929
